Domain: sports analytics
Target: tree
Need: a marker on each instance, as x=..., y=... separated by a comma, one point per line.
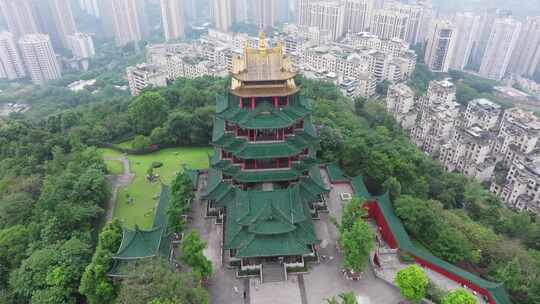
x=192, y=255
x=412, y=283
x=154, y=280
x=95, y=284
x=147, y=112
x=393, y=186
x=13, y=244
x=141, y=143
x=352, y=212
x=181, y=196
x=459, y=296
x=357, y=243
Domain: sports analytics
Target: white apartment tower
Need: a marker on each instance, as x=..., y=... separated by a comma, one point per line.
x=20, y=17
x=91, y=7
x=357, y=15
x=63, y=23
x=81, y=45
x=264, y=13
x=12, y=66
x=440, y=46
x=526, y=57
x=303, y=13
x=222, y=12
x=328, y=16
x=143, y=76
x=127, y=19
x=39, y=58
x=502, y=42
x=400, y=104
x=240, y=11
x=389, y=24
x=172, y=19
x=415, y=19
x=467, y=28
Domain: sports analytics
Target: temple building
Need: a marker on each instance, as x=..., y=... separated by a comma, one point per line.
x=264, y=184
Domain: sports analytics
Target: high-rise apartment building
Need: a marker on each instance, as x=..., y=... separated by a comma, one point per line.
x=91, y=7
x=58, y=21
x=264, y=13
x=501, y=44
x=357, y=15
x=127, y=19
x=440, y=46
x=20, y=17
x=467, y=26
x=328, y=15
x=526, y=56
x=389, y=24
x=39, y=58
x=11, y=64
x=143, y=76
x=415, y=19
x=240, y=11
x=172, y=19
x=81, y=45
x=222, y=13
x=302, y=12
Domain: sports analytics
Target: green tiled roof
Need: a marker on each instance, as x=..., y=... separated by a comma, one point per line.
x=497, y=290
x=335, y=174
x=269, y=223
x=139, y=244
x=242, y=149
x=264, y=116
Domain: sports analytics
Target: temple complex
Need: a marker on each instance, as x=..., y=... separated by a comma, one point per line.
x=264, y=184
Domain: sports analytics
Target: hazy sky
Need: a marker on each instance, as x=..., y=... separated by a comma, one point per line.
x=518, y=7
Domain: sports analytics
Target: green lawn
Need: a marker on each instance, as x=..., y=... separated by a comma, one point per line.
x=114, y=167
x=145, y=194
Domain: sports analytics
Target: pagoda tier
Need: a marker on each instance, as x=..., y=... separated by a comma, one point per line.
x=262, y=113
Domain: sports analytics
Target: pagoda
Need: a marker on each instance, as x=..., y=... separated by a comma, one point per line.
x=264, y=184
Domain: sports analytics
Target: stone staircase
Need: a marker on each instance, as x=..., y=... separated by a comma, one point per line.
x=272, y=272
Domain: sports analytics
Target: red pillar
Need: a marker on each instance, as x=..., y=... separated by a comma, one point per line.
x=277, y=163
x=276, y=102
x=241, y=103
x=287, y=101
x=252, y=103
x=290, y=162
x=255, y=163
x=243, y=164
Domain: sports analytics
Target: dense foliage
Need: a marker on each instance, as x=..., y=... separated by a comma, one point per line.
x=355, y=236
x=192, y=255
x=344, y=298
x=95, y=285
x=459, y=296
x=154, y=282
x=182, y=195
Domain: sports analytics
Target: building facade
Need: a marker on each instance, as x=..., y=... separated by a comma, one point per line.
x=62, y=22
x=39, y=58
x=127, y=19
x=328, y=15
x=173, y=18
x=437, y=114
x=20, y=16
x=12, y=66
x=467, y=26
x=440, y=46
x=144, y=76
x=222, y=13
x=81, y=45
x=389, y=24
x=526, y=56
x=358, y=15
x=501, y=44
x=400, y=103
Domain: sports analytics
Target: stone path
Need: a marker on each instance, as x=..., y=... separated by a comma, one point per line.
x=118, y=181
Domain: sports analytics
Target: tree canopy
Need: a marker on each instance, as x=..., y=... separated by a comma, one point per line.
x=412, y=283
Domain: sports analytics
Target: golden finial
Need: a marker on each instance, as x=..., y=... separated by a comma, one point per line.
x=262, y=41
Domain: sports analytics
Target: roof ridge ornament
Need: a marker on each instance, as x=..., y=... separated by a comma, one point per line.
x=262, y=42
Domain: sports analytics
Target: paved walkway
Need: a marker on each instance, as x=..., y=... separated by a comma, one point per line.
x=118, y=181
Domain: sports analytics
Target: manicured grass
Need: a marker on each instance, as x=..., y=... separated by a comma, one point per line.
x=125, y=144
x=114, y=167
x=144, y=194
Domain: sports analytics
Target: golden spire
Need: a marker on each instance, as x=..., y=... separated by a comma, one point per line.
x=262, y=42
